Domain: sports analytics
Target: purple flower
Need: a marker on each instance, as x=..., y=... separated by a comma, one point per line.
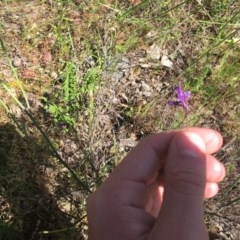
x=182, y=98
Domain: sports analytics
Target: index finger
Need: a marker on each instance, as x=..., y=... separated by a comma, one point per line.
x=144, y=162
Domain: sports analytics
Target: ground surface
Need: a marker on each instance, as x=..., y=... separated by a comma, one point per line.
x=91, y=78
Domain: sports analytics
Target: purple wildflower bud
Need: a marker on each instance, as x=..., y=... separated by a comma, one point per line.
x=182, y=98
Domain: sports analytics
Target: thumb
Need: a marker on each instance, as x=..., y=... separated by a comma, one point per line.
x=181, y=215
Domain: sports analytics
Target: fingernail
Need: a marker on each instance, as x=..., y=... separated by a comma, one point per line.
x=190, y=144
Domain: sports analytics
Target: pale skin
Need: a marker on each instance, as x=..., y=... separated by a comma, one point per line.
x=158, y=189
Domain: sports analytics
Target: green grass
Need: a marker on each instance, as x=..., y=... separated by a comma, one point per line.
x=64, y=103
x=70, y=133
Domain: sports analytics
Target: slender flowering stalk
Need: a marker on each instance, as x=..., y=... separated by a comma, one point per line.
x=181, y=98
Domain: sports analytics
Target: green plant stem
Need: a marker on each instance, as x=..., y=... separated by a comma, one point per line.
x=14, y=72
x=28, y=113
x=81, y=183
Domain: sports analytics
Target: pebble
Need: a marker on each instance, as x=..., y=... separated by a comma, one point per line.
x=146, y=94
x=17, y=62
x=146, y=87
x=122, y=69
x=117, y=75
x=154, y=52
x=124, y=65
x=16, y=111
x=54, y=75
x=151, y=34
x=166, y=62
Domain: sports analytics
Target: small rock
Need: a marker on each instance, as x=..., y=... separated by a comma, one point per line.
x=70, y=148
x=146, y=87
x=76, y=195
x=146, y=94
x=128, y=142
x=117, y=75
x=154, y=52
x=141, y=60
x=122, y=69
x=16, y=111
x=145, y=65
x=115, y=101
x=124, y=64
x=17, y=62
x=54, y=75
x=166, y=62
x=151, y=34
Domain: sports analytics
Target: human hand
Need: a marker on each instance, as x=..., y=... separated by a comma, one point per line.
x=157, y=191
